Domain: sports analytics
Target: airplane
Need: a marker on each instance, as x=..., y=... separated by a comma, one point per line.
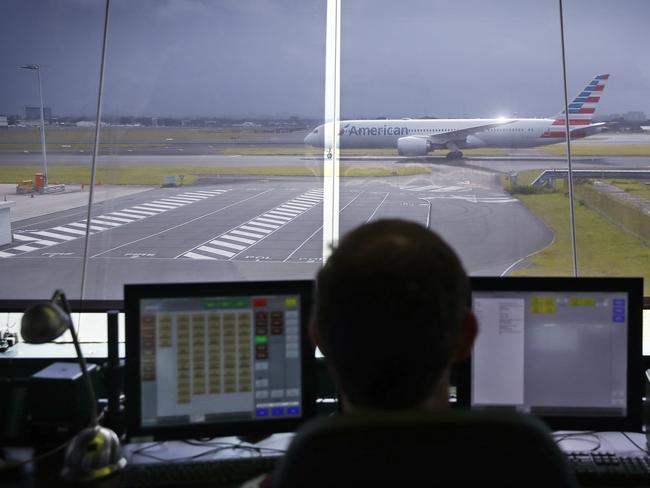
x=418, y=137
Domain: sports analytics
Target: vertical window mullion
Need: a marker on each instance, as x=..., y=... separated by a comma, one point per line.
x=331, y=128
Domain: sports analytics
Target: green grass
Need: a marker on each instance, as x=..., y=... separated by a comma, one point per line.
x=311, y=151
x=633, y=187
x=74, y=147
x=153, y=175
x=602, y=248
x=599, y=149
x=113, y=135
x=524, y=182
x=110, y=175
x=393, y=170
x=28, y=139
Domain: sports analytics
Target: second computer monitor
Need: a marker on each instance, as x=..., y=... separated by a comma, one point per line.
x=565, y=349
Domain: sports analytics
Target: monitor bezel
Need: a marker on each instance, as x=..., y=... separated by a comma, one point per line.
x=632, y=421
x=133, y=293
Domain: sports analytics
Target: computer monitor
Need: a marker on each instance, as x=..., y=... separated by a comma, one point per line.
x=215, y=359
x=565, y=349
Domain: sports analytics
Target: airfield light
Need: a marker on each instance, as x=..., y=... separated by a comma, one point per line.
x=37, y=68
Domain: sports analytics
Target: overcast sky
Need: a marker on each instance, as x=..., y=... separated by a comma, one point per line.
x=248, y=58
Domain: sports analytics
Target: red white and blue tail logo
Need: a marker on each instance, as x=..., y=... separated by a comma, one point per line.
x=581, y=109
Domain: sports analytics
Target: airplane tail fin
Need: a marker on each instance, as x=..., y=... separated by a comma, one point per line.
x=582, y=108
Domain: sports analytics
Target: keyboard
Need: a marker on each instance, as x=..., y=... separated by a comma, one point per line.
x=608, y=468
x=216, y=472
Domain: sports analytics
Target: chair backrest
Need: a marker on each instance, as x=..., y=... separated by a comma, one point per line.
x=421, y=448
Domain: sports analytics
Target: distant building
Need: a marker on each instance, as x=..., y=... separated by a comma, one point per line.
x=634, y=116
x=607, y=117
x=34, y=113
x=3, y=121
x=89, y=123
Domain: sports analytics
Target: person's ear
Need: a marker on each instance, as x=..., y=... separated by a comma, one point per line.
x=466, y=338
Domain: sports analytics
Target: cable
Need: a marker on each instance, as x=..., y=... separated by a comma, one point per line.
x=594, y=438
x=142, y=449
x=645, y=451
x=218, y=447
x=232, y=445
x=207, y=442
x=181, y=459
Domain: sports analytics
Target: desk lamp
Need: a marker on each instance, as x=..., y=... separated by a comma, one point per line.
x=94, y=453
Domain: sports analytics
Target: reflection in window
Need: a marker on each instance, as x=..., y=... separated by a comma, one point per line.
x=204, y=173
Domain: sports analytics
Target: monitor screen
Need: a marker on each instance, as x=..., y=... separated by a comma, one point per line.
x=564, y=349
x=218, y=358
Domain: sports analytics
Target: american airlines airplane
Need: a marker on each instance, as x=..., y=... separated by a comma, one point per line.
x=418, y=137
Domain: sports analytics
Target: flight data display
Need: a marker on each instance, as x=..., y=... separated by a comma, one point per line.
x=551, y=353
x=219, y=359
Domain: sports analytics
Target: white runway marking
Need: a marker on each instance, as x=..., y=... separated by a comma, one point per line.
x=238, y=239
x=70, y=231
x=116, y=219
x=92, y=227
x=255, y=229
x=228, y=245
x=262, y=224
x=77, y=230
x=130, y=214
x=475, y=199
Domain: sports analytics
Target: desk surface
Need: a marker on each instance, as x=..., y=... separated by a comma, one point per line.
x=616, y=442
x=218, y=448
x=231, y=447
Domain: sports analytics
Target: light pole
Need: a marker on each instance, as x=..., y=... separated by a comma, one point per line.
x=37, y=68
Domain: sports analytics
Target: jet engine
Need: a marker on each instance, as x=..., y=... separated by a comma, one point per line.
x=413, y=146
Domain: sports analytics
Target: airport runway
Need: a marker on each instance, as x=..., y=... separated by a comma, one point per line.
x=245, y=228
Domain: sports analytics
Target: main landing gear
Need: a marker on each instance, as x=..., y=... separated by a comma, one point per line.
x=454, y=155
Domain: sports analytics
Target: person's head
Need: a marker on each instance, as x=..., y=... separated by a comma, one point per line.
x=391, y=314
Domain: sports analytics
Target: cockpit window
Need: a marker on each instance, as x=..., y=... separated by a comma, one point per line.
x=315, y=131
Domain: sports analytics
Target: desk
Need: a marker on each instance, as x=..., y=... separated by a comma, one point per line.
x=230, y=447
x=146, y=453
x=609, y=441
x=219, y=448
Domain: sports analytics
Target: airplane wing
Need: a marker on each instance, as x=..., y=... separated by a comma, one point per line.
x=454, y=135
x=587, y=130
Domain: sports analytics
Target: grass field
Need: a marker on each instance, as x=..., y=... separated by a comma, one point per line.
x=525, y=178
x=632, y=187
x=312, y=151
x=599, y=150
x=75, y=139
x=113, y=135
x=153, y=175
x=603, y=249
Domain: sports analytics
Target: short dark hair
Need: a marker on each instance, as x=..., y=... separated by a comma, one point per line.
x=388, y=308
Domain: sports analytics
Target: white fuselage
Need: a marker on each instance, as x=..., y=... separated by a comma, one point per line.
x=512, y=133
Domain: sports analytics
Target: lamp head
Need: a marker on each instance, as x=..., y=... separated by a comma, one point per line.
x=29, y=66
x=44, y=322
